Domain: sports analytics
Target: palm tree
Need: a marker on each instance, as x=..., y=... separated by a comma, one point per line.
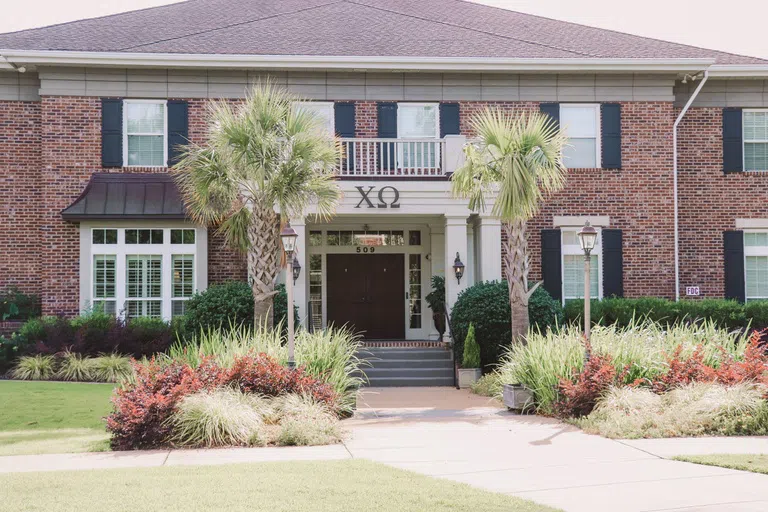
x=519, y=160
x=262, y=162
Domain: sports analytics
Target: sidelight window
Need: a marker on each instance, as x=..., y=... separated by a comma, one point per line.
x=414, y=290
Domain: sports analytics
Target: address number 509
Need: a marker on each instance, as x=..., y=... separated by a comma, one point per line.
x=366, y=249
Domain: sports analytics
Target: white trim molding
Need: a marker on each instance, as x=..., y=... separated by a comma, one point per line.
x=602, y=221
x=751, y=223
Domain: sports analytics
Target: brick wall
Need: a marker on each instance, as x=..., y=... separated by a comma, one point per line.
x=20, y=196
x=710, y=201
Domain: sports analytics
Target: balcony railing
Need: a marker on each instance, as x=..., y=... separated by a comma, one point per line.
x=393, y=158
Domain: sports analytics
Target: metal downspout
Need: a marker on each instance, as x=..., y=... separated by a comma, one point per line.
x=674, y=144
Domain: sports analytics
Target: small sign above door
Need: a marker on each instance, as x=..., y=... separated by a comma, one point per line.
x=388, y=197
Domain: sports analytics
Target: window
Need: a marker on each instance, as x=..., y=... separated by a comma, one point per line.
x=183, y=282
x=323, y=110
x=756, y=265
x=143, y=285
x=144, y=133
x=755, y=140
x=369, y=238
x=316, y=290
x=414, y=290
x=143, y=271
x=581, y=123
x=104, y=279
x=418, y=121
x=573, y=266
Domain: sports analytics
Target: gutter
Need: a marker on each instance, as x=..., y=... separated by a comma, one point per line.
x=739, y=71
x=674, y=145
x=358, y=63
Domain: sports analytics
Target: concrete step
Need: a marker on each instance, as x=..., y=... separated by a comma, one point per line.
x=411, y=381
x=377, y=373
x=410, y=363
x=404, y=353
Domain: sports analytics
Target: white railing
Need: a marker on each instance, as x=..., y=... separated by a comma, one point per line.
x=392, y=157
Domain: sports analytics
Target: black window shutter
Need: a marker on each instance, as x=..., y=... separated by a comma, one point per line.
x=449, y=119
x=613, y=263
x=111, y=132
x=732, y=141
x=387, y=113
x=553, y=111
x=344, y=119
x=551, y=272
x=611, y=142
x=733, y=256
x=178, y=129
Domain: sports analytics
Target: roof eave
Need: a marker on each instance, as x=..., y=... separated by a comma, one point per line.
x=738, y=71
x=486, y=64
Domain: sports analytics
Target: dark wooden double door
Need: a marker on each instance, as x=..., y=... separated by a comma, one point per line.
x=367, y=293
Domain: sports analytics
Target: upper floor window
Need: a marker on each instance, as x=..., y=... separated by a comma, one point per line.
x=581, y=123
x=755, y=140
x=756, y=265
x=145, y=131
x=573, y=266
x=418, y=121
x=323, y=110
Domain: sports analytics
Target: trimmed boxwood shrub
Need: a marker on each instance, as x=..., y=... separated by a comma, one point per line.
x=726, y=314
x=486, y=305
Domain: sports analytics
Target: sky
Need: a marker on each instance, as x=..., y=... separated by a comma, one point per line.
x=737, y=26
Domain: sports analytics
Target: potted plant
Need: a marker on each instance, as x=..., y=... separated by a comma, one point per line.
x=436, y=301
x=470, y=370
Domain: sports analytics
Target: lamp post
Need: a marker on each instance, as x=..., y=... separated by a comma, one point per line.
x=587, y=240
x=288, y=236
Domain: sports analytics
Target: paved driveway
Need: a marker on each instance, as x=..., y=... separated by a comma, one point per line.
x=449, y=434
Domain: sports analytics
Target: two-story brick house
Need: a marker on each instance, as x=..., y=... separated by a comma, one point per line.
x=91, y=111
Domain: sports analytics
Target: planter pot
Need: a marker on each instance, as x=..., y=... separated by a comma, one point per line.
x=468, y=376
x=517, y=397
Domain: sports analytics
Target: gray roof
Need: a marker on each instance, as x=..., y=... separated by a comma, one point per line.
x=371, y=28
x=127, y=196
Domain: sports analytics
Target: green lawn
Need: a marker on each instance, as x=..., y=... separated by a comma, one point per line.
x=273, y=486
x=757, y=463
x=52, y=417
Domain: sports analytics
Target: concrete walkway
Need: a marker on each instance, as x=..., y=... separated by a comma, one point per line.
x=450, y=434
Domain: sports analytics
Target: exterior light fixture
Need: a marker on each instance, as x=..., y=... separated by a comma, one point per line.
x=288, y=236
x=296, y=269
x=587, y=240
x=458, y=268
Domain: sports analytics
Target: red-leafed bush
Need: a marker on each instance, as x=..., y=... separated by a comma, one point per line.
x=683, y=371
x=264, y=375
x=578, y=397
x=139, y=418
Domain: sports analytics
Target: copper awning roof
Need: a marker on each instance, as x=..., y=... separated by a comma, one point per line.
x=127, y=196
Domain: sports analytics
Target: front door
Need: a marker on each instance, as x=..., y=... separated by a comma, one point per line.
x=367, y=292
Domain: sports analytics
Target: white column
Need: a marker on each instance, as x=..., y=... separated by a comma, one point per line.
x=300, y=292
x=455, y=242
x=490, y=249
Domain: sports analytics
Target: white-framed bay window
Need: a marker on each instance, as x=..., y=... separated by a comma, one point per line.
x=145, y=133
x=755, y=136
x=756, y=265
x=573, y=265
x=323, y=110
x=134, y=270
x=581, y=123
x=419, y=121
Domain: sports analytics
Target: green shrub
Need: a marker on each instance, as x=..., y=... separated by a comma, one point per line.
x=726, y=314
x=699, y=409
x=17, y=305
x=221, y=305
x=75, y=367
x=471, y=357
x=111, y=368
x=223, y=417
x=638, y=351
x=486, y=305
x=39, y=367
x=488, y=385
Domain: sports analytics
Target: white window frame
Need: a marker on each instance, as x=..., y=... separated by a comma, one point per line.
x=752, y=251
x=744, y=139
x=598, y=129
x=576, y=250
x=323, y=104
x=121, y=250
x=400, y=120
x=165, y=132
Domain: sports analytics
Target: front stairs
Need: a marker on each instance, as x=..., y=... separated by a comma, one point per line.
x=393, y=365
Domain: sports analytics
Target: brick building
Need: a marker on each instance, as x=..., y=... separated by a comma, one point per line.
x=90, y=113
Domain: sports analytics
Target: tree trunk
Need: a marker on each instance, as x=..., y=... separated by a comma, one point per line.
x=516, y=274
x=264, y=257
